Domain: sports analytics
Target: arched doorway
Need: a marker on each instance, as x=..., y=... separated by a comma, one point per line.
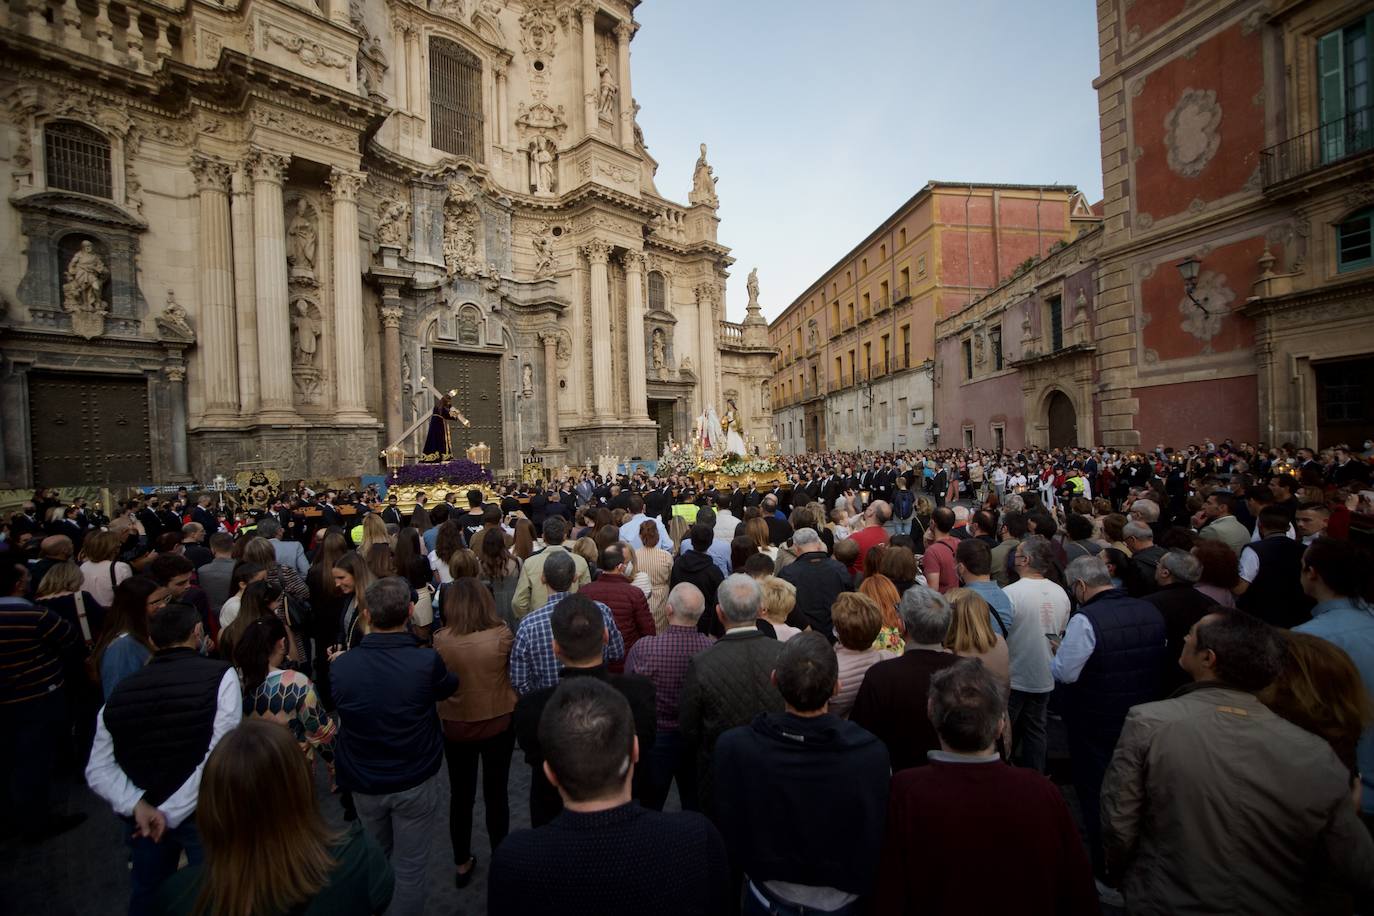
x=1063, y=420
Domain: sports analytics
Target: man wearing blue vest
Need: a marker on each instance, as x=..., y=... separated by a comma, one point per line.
x=1109, y=661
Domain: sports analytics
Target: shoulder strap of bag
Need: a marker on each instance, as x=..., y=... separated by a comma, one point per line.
x=81, y=616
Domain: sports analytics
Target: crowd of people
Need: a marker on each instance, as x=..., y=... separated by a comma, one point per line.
x=854, y=681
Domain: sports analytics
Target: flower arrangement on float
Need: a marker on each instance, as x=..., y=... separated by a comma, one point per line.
x=457, y=471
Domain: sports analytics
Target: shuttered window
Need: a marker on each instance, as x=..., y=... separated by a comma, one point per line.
x=1344, y=85
x=455, y=99
x=1353, y=242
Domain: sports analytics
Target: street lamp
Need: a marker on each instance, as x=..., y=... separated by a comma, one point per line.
x=219, y=483
x=395, y=458
x=1188, y=269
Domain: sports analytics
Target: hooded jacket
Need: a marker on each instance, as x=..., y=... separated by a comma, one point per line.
x=698, y=568
x=803, y=800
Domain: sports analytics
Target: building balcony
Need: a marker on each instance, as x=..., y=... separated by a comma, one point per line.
x=812, y=392
x=902, y=294
x=1334, y=146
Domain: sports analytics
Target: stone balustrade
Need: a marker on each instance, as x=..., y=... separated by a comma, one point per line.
x=139, y=36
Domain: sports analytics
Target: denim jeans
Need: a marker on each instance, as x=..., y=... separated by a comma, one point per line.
x=403, y=824
x=154, y=863
x=669, y=758
x=901, y=525
x=1030, y=735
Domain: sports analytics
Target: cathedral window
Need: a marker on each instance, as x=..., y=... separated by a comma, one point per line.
x=657, y=293
x=77, y=158
x=455, y=99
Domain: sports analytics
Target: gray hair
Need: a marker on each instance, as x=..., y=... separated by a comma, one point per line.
x=961, y=513
x=685, y=603
x=1147, y=509
x=1013, y=503
x=559, y=571
x=268, y=527
x=804, y=537
x=739, y=597
x=1182, y=566
x=966, y=704
x=1091, y=571
x=925, y=615
x=1138, y=530
x=1038, y=552
x=388, y=602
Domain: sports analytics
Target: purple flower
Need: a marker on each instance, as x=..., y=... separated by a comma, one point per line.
x=458, y=471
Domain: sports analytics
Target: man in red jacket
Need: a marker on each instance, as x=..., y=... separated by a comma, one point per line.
x=628, y=605
x=949, y=821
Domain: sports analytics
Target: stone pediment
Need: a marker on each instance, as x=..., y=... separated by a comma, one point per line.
x=79, y=207
x=541, y=117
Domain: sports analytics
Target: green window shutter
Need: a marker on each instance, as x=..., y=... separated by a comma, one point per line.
x=1331, y=86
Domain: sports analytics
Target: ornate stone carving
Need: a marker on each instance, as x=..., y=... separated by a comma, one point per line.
x=543, y=154
x=210, y=174
x=461, y=224
x=391, y=318
x=527, y=381
x=175, y=372
x=173, y=321
x=608, y=91
x=703, y=182
x=265, y=165
x=1216, y=296
x=597, y=251
x=541, y=117
x=545, y=260
x=659, y=349
x=296, y=126
x=305, y=333
x=344, y=184
x=311, y=53
x=371, y=62
x=393, y=224
x=752, y=285
x=83, y=292
x=564, y=348
x=1192, y=132
x=469, y=326
x=538, y=37
x=302, y=242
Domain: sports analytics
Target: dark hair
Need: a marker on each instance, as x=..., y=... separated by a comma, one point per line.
x=167, y=566
x=976, y=556
x=605, y=536
x=1273, y=520
x=253, y=651
x=1176, y=537
x=1343, y=566
x=1016, y=523
x=702, y=536
x=985, y=521
x=221, y=542
x=388, y=602
x=1045, y=525
x=806, y=670
x=1220, y=565
x=555, y=529
x=381, y=562
x=128, y=613
x=759, y=565
x=468, y=607
x=966, y=705
x=611, y=556
x=559, y=571
x=419, y=519
x=741, y=549
x=495, y=558
x=474, y=498
x=648, y=532
x=173, y=624
x=943, y=519
x=409, y=554
x=578, y=628
x=167, y=542
x=243, y=573
x=1249, y=653
x=587, y=734
x=1227, y=499
x=11, y=574
x=1078, y=527
x=491, y=515
x=439, y=514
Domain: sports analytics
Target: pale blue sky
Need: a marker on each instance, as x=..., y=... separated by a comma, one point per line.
x=822, y=118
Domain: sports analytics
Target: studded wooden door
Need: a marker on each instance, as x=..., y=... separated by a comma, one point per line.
x=477, y=377
x=89, y=429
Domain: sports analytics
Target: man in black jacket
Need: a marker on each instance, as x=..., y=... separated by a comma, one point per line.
x=1181, y=605
x=699, y=568
x=605, y=855
x=819, y=579
x=801, y=795
x=204, y=516
x=151, y=742
x=579, y=638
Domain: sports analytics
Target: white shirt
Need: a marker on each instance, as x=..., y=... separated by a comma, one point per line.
x=1080, y=639
x=629, y=532
x=229, y=610
x=110, y=782
x=1038, y=607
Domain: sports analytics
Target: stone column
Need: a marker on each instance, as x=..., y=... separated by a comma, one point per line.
x=218, y=350
x=634, y=334
x=624, y=31
x=176, y=398
x=401, y=68
x=269, y=267
x=550, y=341
x=414, y=77
x=706, y=342
x=502, y=136
x=598, y=253
x=348, y=298
x=391, y=360
x=591, y=83
x=245, y=286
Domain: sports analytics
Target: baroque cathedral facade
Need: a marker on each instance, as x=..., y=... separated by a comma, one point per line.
x=267, y=232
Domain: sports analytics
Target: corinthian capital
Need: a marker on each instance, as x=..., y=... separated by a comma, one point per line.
x=266, y=165
x=597, y=251
x=391, y=316
x=625, y=30
x=345, y=183
x=633, y=261
x=211, y=174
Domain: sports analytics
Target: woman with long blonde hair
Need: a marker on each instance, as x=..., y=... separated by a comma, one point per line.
x=374, y=532
x=291, y=862
x=971, y=635
x=884, y=594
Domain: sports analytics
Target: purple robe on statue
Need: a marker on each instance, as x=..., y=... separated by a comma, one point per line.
x=437, y=440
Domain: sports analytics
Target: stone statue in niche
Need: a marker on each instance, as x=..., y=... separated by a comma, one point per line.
x=301, y=241
x=460, y=238
x=703, y=182
x=543, y=154
x=81, y=293
x=305, y=335
x=469, y=330
x=609, y=91
x=659, y=350
x=393, y=224
x=174, y=321
x=978, y=341
x=527, y=381
x=544, y=259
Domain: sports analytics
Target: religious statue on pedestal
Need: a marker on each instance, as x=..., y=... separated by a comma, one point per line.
x=439, y=439
x=729, y=424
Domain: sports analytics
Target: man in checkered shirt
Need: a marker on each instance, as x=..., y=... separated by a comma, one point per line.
x=533, y=663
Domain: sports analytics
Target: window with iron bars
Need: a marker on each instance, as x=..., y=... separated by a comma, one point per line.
x=77, y=158
x=455, y=99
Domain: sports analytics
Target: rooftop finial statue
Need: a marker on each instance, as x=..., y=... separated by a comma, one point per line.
x=753, y=286
x=703, y=182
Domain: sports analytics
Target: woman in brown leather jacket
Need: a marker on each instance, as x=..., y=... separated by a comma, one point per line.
x=475, y=645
